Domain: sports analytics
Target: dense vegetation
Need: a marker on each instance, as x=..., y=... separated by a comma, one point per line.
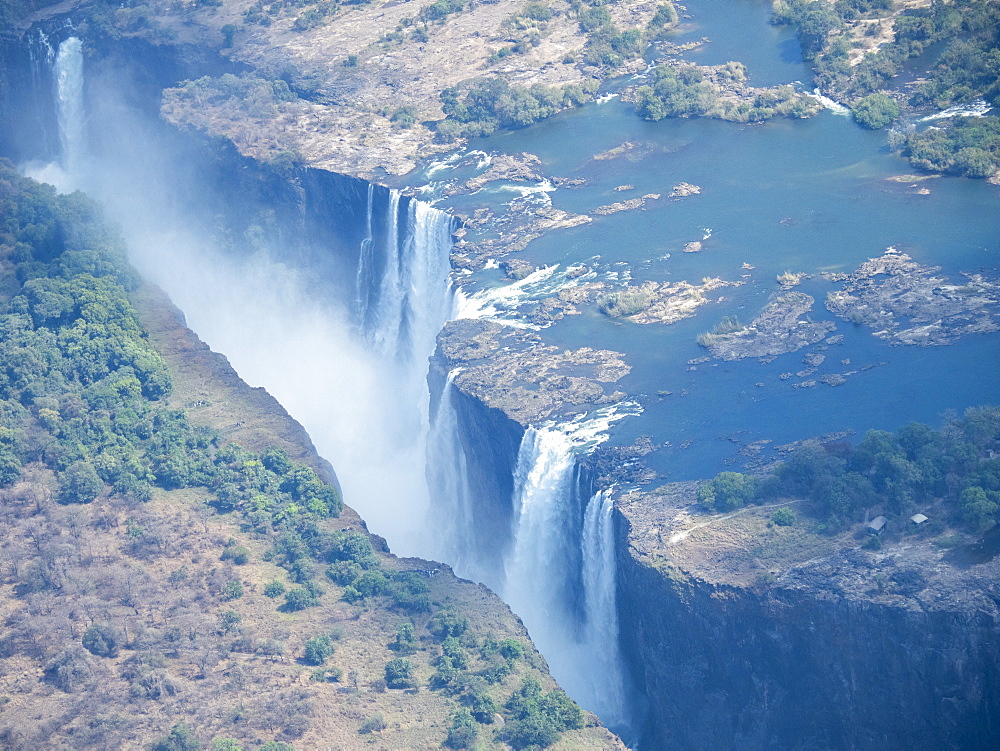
x=969, y=146
x=967, y=69
x=237, y=96
x=692, y=91
x=11, y=11
x=954, y=469
x=492, y=104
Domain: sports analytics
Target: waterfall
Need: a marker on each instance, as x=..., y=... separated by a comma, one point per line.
x=362, y=291
x=539, y=570
x=428, y=302
x=68, y=72
x=383, y=330
x=355, y=377
x=561, y=551
x=447, y=478
x=601, y=609
x=403, y=298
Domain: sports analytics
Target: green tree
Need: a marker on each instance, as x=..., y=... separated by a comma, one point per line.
x=405, y=642
x=875, y=111
x=463, y=730
x=399, y=673
x=783, y=517
x=180, y=738
x=232, y=590
x=80, y=483
x=978, y=509
x=318, y=650
x=274, y=589
x=101, y=640
x=727, y=491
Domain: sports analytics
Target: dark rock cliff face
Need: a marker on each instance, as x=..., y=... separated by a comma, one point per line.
x=763, y=668
x=312, y=219
x=491, y=441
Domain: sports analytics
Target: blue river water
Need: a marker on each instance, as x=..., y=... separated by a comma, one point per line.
x=788, y=195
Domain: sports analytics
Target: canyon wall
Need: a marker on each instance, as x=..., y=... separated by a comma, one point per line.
x=803, y=666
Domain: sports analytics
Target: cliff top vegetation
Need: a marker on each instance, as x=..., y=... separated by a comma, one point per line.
x=885, y=58
x=805, y=524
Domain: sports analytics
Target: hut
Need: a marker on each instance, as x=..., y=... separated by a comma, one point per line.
x=876, y=525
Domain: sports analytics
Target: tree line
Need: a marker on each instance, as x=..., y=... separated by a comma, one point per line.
x=957, y=466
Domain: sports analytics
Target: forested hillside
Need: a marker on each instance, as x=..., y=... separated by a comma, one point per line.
x=166, y=586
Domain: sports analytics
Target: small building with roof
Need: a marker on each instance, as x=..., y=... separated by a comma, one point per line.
x=876, y=525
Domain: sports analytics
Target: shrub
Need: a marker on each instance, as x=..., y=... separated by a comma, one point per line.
x=399, y=673
x=180, y=738
x=70, y=670
x=446, y=623
x=274, y=589
x=783, y=517
x=727, y=491
x=405, y=642
x=875, y=111
x=463, y=731
x=511, y=649
x=236, y=553
x=232, y=590
x=536, y=719
x=300, y=598
x=373, y=724
x=623, y=304
x=80, y=483
x=318, y=650
x=102, y=641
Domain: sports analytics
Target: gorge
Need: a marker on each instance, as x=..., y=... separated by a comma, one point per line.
x=338, y=296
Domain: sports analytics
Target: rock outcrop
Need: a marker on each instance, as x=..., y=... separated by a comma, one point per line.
x=749, y=636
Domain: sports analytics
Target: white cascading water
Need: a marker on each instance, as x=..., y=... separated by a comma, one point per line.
x=600, y=587
x=69, y=99
x=384, y=331
x=65, y=66
x=362, y=293
x=447, y=476
x=540, y=574
x=364, y=400
x=362, y=396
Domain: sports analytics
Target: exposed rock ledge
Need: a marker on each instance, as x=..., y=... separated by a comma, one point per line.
x=908, y=303
x=366, y=61
x=510, y=369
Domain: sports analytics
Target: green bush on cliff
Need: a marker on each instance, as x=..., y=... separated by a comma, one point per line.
x=686, y=91
x=727, y=491
x=964, y=71
x=967, y=146
x=81, y=378
x=535, y=719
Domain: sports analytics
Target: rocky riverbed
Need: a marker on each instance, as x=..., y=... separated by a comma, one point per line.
x=779, y=328
x=906, y=302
